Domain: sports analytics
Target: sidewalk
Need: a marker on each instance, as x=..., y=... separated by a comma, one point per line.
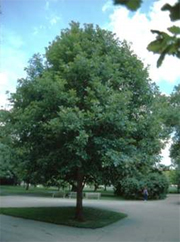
x=152, y=221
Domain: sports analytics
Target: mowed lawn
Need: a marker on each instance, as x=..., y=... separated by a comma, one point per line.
x=48, y=191
x=93, y=218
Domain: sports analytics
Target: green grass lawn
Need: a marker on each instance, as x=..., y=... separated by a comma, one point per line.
x=20, y=190
x=93, y=218
x=48, y=191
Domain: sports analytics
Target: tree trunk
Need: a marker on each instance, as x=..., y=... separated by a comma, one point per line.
x=79, y=199
x=27, y=186
x=74, y=187
x=96, y=185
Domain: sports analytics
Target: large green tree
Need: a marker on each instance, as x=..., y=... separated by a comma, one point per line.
x=174, y=121
x=87, y=106
x=8, y=170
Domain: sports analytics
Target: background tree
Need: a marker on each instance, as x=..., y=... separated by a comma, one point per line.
x=8, y=169
x=174, y=121
x=166, y=43
x=89, y=106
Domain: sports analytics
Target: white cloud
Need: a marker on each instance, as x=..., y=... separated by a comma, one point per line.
x=12, y=66
x=137, y=30
x=165, y=153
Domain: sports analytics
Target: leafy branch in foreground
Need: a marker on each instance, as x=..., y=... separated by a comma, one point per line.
x=164, y=44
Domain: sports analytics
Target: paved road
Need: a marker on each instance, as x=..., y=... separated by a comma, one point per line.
x=152, y=221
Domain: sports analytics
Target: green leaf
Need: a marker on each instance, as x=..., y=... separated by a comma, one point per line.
x=165, y=44
x=160, y=34
x=155, y=46
x=174, y=11
x=160, y=60
x=130, y=4
x=174, y=29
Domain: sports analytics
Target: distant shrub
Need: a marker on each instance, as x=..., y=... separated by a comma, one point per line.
x=132, y=187
x=157, y=185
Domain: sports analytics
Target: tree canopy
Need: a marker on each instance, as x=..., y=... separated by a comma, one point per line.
x=86, y=107
x=174, y=121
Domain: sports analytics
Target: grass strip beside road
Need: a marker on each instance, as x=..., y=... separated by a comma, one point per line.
x=20, y=190
x=48, y=191
x=93, y=217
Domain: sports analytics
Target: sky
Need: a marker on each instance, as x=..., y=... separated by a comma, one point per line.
x=28, y=26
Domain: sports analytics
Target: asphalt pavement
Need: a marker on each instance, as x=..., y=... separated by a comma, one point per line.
x=151, y=221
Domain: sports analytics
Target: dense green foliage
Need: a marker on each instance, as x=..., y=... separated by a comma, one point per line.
x=174, y=122
x=8, y=156
x=157, y=185
x=173, y=176
x=130, y=4
x=86, y=111
x=132, y=187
